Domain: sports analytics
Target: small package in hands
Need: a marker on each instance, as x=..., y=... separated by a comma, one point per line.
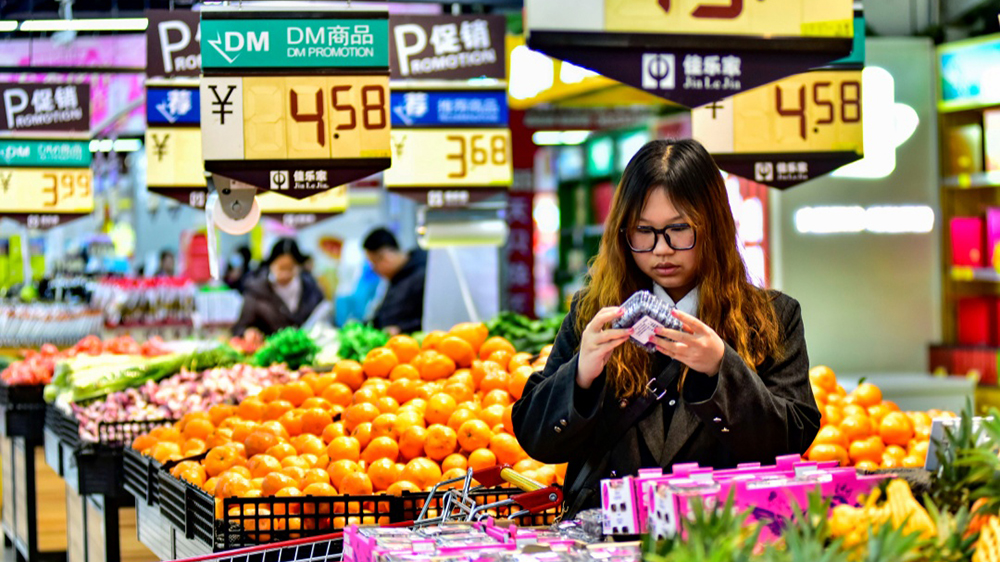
x=644, y=312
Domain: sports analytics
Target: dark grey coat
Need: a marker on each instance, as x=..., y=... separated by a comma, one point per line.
x=737, y=416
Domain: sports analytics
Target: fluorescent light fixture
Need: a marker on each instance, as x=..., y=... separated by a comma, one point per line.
x=553, y=138
x=531, y=73
x=8, y=26
x=880, y=219
x=94, y=24
x=120, y=145
x=546, y=215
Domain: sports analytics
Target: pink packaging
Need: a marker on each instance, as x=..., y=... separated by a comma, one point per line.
x=992, y=235
x=621, y=514
x=967, y=241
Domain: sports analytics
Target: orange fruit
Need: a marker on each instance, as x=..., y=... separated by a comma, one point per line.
x=422, y=471
x=922, y=432
x=508, y=419
x=475, y=333
x=896, y=429
x=197, y=428
x=295, y=461
x=501, y=358
x=144, y=441
x=453, y=461
x=339, y=394
x=441, y=441
x=259, y=441
x=891, y=461
x=405, y=389
x=356, y=484
x=411, y=443
x=232, y=484
x=220, y=459
x=401, y=486
x=823, y=377
x=219, y=412
x=439, y=408
x=895, y=451
x=831, y=435
x=317, y=402
x=436, y=366
x=867, y=394
x=209, y=485
x=281, y=451
x=404, y=347
x=277, y=408
x=493, y=415
x=292, y=421
x=332, y=431
x=431, y=339
x=460, y=392
x=496, y=378
x=385, y=426
x=822, y=452
x=482, y=458
x=242, y=430
x=387, y=405
x=518, y=378
x=856, y=427
x=165, y=451
x=383, y=473
x=339, y=469
x=918, y=448
x=275, y=427
x=913, y=461
x=363, y=433
x=506, y=448
x=404, y=371
x=251, y=409
x=869, y=466
x=350, y=373
x=379, y=362
x=381, y=448
x=297, y=392
x=366, y=395
x=360, y=413
x=406, y=419
x=262, y=465
x=869, y=449
x=525, y=465
x=314, y=421
x=459, y=417
x=820, y=395
x=419, y=404
x=185, y=465
x=849, y=410
x=494, y=344
x=459, y=350
x=195, y=476
x=832, y=415
x=296, y=473
x=518, y=361
x=474, y=434
x=270, y=393
x=309, y=444
x=344, y=448
x=453, y=474
x=319, y=489
x=878, y=412
x=497, y=397
x=919, y=418
x=275, y=482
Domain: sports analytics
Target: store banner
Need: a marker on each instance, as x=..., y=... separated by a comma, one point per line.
x=173, y=43
x=482, y=108
x=520, y=253
x=28, y=108
x=692, y=52
x=89, y=54
x=44, y=153
x=329, y=118
x=447, y=47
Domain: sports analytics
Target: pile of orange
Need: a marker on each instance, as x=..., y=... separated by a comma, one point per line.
x=404, y=419
x=861, y=429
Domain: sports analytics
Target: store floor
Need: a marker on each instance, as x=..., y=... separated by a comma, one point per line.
x=51, y=492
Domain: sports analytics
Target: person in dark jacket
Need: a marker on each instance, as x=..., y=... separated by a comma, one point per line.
x=731, y=387
x=281, y=295
x=402, y=310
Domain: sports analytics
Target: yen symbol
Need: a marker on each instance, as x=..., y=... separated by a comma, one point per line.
x=222, y=103
x=160, y=146
x=5, y=181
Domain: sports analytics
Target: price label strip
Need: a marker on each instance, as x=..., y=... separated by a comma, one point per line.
x=46, y=197
x=789, y=132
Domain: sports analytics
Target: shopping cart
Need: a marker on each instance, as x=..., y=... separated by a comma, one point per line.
x=451, y=504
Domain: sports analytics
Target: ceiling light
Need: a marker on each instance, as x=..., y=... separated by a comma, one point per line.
x=552, y=138
x=96, y=24
x=8, y=26
x=120, y=145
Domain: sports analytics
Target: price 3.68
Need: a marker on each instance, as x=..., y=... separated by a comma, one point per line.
x=476, y=150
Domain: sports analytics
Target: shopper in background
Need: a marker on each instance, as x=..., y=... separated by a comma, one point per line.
x=732, y=387
x=402, y=309
x=238, y=270
x=168, y=264
x=283, y=294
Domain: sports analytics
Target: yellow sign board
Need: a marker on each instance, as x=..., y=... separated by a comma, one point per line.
x=295, y=117
x=174, y=157
x=46, y=190
x=450, y=158
x=328, y=202
x=807, y=113
x=771, y=18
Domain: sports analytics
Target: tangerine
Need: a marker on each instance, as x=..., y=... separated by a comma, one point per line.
x=275, y=482
x=383, y=473
x=309, y=444
x=441, y=441
x=494, y=344
x=404, y=347
x=493, y=415
x=475, y=333
x=439, y=408
x=358, y=414
x=459, y=350
x=356, y=484
x=867, y=395
x=518, y=379
x=401, y=486
x=350, y=373
x=387, y=405
x=165, y=451
x=277, y=408
x=455, y=460
x=896, y=429
x=497, y=397
x=363, y=433
x=832, y=415
x=259, y=441
x=232, y=484
x=344, y=448
x=868, y=466
x=869, y=449
x=856, y=427
x=831, y=435
x=422, y=471
x=474, y=434
x=340, y=469
x=460, y=416
x=381, y=448
x=482, y=458
x=501, y=358
x=219, y=412
x=823, y=377
x=913, y=461
x=262, y=465
x=315, y=421
x=297, y=392
x=197, y=428
x=339, y=394
x=379, y=362
x=281, y=451
x=220, y=459
x=411, y=442
x=292, y=421
x=431, y=339
x=251, y=409
x=436, y=366
x=506, y=448
x=496, y=379
x=518, y=361
x=822, y=452
x=508, y=419
x=367, y=395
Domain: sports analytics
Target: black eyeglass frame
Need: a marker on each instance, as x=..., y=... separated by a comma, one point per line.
x=662, y=232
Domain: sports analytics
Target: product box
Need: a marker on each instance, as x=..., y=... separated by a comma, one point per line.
x=621, y=515
x=976, y=320
x=967, y=241
x=991, y=136
x=992, y=236
x=964, y=150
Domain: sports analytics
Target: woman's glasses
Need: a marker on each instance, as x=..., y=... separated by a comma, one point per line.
x=644, y=238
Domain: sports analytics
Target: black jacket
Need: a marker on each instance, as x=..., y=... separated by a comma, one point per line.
x=263, y=308
x=403, y=305
x=735, y=417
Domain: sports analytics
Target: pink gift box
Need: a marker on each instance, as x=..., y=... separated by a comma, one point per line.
x=967, y=241
x=992, y=235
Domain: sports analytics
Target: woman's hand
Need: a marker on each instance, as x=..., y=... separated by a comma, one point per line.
x=698, y=346
x=596, y=345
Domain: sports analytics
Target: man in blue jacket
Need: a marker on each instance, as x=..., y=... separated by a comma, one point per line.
x=402, y=310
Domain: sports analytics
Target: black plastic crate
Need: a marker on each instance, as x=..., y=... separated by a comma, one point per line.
x=141, y=476
x=188, y=508
x=110, y=434
x=14, y=396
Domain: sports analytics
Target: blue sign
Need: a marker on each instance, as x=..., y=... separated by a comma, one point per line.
x=449, y=109
x=174, y=106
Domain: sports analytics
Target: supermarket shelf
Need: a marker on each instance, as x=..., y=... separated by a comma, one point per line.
x=963, y=273
x=973, y=181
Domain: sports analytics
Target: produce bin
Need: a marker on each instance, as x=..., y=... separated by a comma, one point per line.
x=20, y=408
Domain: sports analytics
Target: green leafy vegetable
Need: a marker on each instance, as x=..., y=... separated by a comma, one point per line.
x=524, y=333
x=357, y=339
x=290, y=346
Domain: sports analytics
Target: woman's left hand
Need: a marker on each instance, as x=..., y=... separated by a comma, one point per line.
x=698, y=346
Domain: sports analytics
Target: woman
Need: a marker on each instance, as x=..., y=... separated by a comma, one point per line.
x=282, y=295
x=733, y=387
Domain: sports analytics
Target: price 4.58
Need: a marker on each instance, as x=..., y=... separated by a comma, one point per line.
x=476, y=150
x=831, y=102
x=63, y=186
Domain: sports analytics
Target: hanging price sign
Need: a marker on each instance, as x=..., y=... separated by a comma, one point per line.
x=174, y=167
x=692, y=52
x=788, y=132
x=46, y=197
x=330, y=115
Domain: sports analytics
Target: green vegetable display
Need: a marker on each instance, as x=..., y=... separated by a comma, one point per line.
x=290, y=346
x=356, y=340
x=526, y=334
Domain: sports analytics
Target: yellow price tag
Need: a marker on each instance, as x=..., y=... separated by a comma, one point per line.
x=450, y=158
x=46, y=190
x=962, y=273
x=174, y=157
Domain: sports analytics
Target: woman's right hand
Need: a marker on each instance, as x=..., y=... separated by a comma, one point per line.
x=596, y=345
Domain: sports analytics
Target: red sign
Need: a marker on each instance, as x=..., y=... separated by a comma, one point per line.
x=520, y=253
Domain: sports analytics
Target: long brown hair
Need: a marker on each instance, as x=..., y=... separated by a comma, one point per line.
x=741, y=314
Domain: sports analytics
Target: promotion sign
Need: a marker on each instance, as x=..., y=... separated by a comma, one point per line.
x=437, y=158
x=449, y=47
x=46, y=197
x=788, y=132
x=449, y=109
x=27, y=108
x=172, y=43
x=330, y=117
x=44, y=153
x=692, y=52
x=174, y=166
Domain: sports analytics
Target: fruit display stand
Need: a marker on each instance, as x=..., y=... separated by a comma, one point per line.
x=93, y=475
x=21, y=407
